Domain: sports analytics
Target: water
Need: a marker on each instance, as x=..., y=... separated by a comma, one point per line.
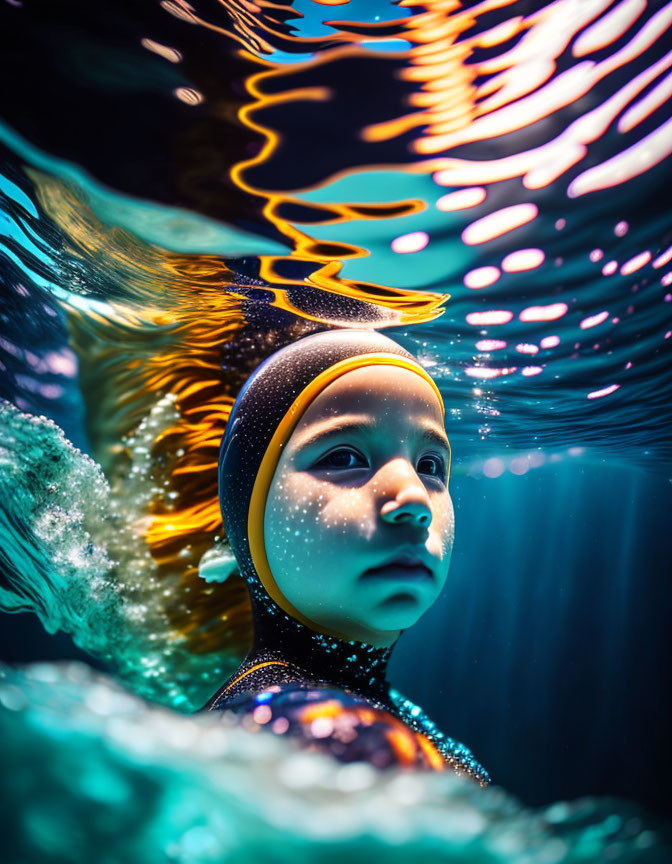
x=123, y=780
x=285, y=167
x=185, y=187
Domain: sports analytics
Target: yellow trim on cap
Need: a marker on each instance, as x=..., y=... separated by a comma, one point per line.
x=264, y=478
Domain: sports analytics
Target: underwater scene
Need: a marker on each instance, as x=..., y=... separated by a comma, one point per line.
x=186, y=187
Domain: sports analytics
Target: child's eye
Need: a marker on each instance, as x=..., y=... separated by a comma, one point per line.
x=434, y=466
x=342, y=458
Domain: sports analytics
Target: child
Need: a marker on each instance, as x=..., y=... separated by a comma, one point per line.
x=333, y=478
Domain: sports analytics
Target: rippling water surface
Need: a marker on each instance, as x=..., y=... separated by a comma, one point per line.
x=488, y=179
x=186, y=186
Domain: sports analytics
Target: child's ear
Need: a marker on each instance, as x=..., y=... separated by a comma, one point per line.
x=218, y=563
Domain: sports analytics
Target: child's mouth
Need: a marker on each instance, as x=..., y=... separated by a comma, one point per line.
x=402, y=567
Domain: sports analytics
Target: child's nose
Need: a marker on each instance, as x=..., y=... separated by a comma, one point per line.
x=405, y=496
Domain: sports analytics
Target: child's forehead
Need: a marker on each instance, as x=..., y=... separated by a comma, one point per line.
x=379, y=392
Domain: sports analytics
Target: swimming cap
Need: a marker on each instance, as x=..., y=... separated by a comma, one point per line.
x=262, y=419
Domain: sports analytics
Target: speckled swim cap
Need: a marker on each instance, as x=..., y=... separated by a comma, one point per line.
x=263, y=417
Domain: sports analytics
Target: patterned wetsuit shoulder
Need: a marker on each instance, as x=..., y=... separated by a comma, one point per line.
x=332, y=720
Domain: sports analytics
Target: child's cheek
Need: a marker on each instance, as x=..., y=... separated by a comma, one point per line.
x=346, y=513
x=443, y=522
x=304, y=501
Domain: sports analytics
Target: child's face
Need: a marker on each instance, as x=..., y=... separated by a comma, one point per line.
x=345, y=500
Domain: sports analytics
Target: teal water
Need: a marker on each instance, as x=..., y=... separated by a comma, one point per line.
x=71, y=556
x=125, y=780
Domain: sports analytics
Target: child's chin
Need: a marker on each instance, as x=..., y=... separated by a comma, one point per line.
x=398, y=611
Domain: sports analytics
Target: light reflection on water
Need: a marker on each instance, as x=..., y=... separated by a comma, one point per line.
x=496, y=171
